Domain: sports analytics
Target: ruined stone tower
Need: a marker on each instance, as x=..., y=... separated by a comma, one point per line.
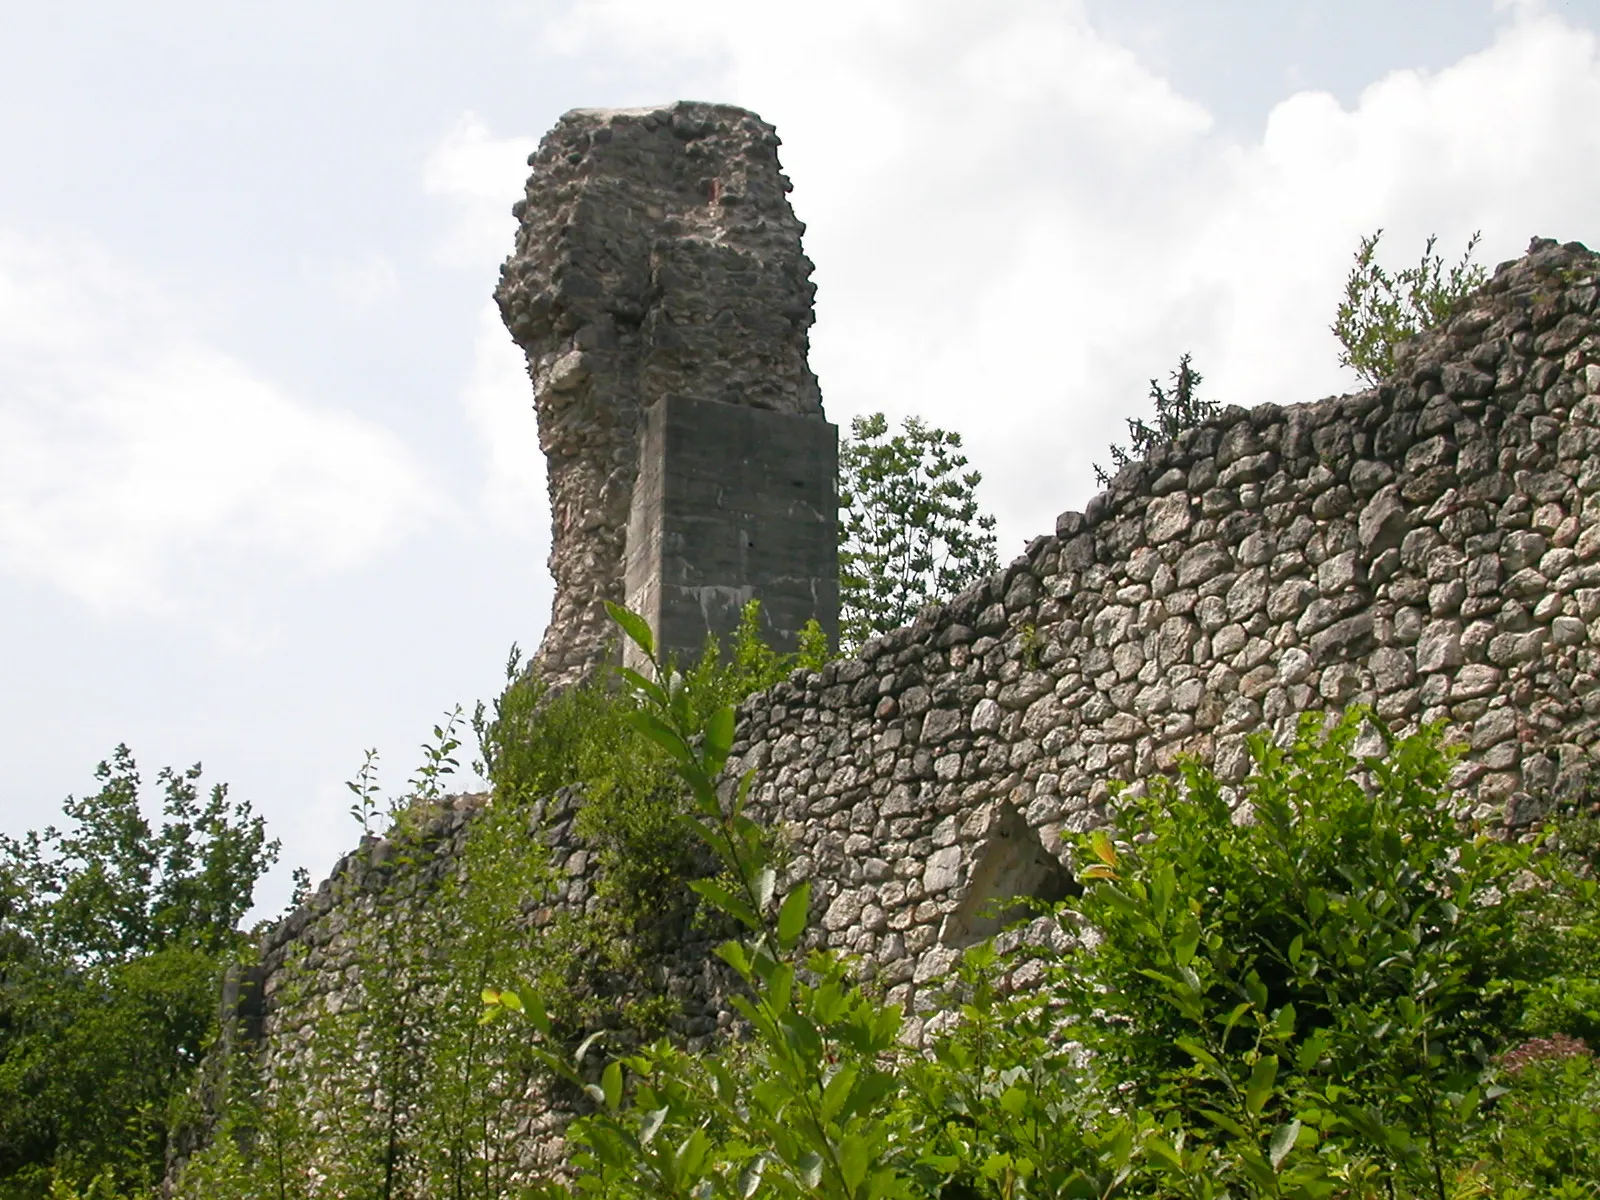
x=659, y=291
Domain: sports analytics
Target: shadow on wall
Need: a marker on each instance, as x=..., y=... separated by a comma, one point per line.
x=1011, y=867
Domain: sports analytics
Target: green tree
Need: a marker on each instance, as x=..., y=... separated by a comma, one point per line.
x=910, y=529
x=113, y=935
x=1177, y=409
x=1380, y=310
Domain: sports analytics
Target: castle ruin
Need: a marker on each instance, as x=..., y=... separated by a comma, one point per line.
x=660, y=294
x=1429, y=547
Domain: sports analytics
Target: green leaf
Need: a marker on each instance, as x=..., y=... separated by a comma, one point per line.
x=837, y=1091
x=719, y=734
x=1316, y=903
x=537, y=1014
x=1165, y=1151
x=792, y=916
x=766, y=882
x=1284, y=1023
x=1186, y=943
x=780, y=986
x=733, y=953
x=1259, y=1089
x=692, y=1153
x=810, y=1169
x=1223, y=1121
x=611, y=1085
x=1256, y=1167
x=750, y=1180
x=635, y=626
x=658, y=731
x=724, y=898
x=1118, y=900
x=1198, y=1052
x=1103, y=848
x=854, y=1159
x=585, y=1045
x=1283, y=1140
x=651, y=1125
x=639, y=682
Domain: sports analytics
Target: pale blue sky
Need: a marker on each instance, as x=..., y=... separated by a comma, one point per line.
x=268, y=488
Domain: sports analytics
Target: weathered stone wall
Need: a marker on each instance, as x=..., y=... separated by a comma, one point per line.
x=657, y=257
x=1431, y=548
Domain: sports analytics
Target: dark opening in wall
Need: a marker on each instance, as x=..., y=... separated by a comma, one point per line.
x=1011, y=866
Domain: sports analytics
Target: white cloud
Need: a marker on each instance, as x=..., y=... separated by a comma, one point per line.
x=1017, y=222
x=135, y=460
x=359, y=286
x=482, y=175
x=499, y=402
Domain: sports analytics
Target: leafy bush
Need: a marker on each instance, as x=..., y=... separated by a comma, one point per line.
x=404, y=1087
x=1304, y=1000
x=1379, y=310
x=1545, y=1140
x=1175, y=410
x=537, y=744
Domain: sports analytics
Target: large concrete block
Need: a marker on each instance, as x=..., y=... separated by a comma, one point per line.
x=733, y=503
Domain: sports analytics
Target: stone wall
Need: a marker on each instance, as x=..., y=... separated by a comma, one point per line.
x=1430, y=548
x=657, y=257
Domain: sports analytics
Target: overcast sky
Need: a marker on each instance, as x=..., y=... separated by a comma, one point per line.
x=269, y=487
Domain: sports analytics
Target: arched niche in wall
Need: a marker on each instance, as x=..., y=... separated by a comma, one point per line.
x=1011, y=867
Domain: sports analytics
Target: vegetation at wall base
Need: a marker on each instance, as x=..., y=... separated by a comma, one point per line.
x=1318, y=984
x=405, y=1088
x=1312, y=987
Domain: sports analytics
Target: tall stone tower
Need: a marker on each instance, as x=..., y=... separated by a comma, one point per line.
x=659, y=291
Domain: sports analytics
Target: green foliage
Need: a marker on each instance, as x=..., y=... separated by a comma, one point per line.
x=408, y=1089
x=910, y=530
x=401, y=1087
x=1304, y=1003
x=1546, y=1138
x=364, y=808
x=1342, y=961
x=799, y=1110
x=438, y=761
x=1380, y=310
x=1559, y=937
x=113, y=936
x=536, y=744
x=1176, y=410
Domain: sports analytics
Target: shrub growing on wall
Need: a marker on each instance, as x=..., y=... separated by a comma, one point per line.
x=1380, y=310
x=1176, y=408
